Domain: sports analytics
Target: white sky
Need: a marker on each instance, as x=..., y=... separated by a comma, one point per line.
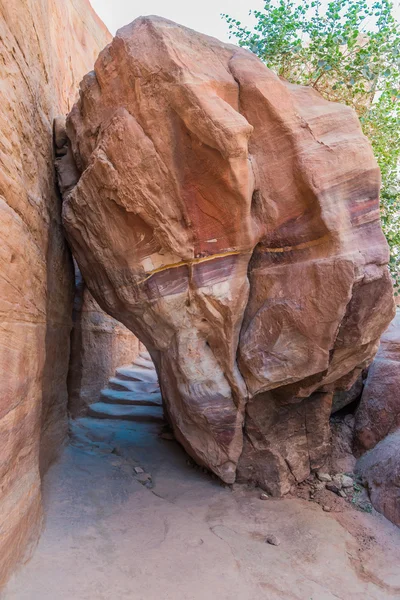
x=204, y=15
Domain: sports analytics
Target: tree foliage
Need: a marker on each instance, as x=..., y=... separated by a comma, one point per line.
x=348, y=50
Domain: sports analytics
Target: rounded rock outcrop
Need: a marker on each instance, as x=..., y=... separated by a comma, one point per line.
x=231, y=221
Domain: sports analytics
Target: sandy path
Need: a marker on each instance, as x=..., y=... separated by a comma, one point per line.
x=107, y=537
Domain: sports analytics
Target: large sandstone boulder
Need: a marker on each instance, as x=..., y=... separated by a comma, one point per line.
x=378, y=413
x=45, y=48
x=379, y=469
x=231, y=221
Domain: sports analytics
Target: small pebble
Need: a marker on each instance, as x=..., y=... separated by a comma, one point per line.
x=143, y=477
x=332, y=487
x=349, y=420
x=324, y=476
x=273, y=540
x=319, y=486
x=236, y=487
x=347, y=481
x=326, y=508
x=138, y=470
x=342, y=493
x=264, y=496
x=337, y=480
x=195, y=542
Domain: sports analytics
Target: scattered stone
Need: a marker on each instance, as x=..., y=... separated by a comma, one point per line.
x=319, y=486
x=138, y=470
x=273, y=540
x=332, y=487
x=264, y=496
x=342, y=494
x=349, y=420
x=324, y=476
x=143, y=477
x=195, y=542
x=326, y=508
x=337, y=480
x=347, y=481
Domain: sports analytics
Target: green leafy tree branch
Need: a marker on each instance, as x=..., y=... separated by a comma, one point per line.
x=349, y=51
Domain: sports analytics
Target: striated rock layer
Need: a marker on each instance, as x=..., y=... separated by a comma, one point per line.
x=45, y=48
x=231, y=221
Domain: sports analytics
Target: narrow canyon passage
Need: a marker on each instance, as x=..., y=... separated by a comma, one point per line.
x=186, y=536
x=132, y=394
x=184, y=234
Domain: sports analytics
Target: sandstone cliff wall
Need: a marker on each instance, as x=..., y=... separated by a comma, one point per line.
x=45, y=48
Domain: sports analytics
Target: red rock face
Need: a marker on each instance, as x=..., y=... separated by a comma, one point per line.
x=380, y=470
x=45, y=48
x=379, y=411
x=231, y=221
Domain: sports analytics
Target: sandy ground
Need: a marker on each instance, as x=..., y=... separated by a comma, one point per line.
x=108, y=537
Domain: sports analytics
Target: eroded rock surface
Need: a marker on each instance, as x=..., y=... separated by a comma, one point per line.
x=380, y=471
x=45, y=48
x=379, y=411
x=231, y=221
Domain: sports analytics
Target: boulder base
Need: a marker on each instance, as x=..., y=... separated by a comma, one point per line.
x=379, y=411
x=380, y=471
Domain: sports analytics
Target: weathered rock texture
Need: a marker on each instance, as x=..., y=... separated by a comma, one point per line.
x=378, y=413
x=99, y=345
x=45, y=48
x=343, y=398
x=231, y=221
x=380, y=471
